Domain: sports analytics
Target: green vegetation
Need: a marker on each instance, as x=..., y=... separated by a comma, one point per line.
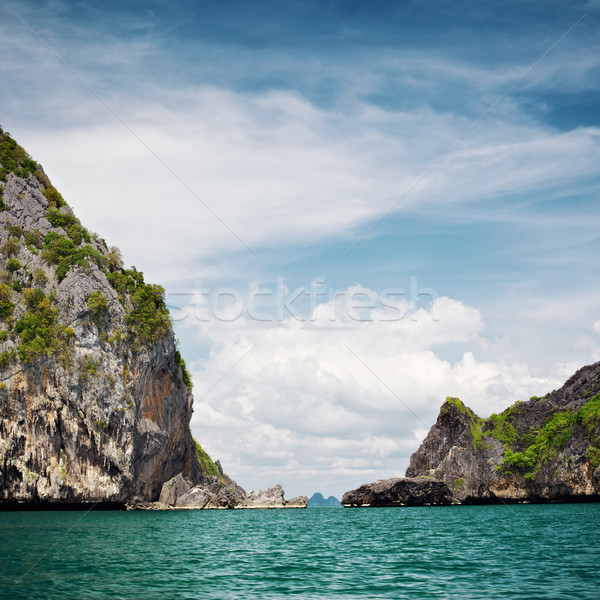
x=117, y=337
x=593, y=455
x=457, y=484
x=62, y=252
x=148, y=320
x=10, y=247
x=56, y=247
x=40, y=277
x=13, y=159
x=42, y=177
x=59, y=219
x=476, y=424
x=88, y=368
x=476, y=427
x=54, y=198
x=13, y=265
x=97, y=304
x=458, y=404
x=527, y=453
x=125, y=281
x=185, y=376
x=7, y=357
x=69, y=246
x=79, y=234
x=6, y=304
x=33, y=238
x=100, y=425
x=15, y=230
x=37, y=328
x=208, y=467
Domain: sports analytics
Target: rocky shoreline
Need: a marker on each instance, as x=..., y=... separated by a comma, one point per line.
x=180, y=493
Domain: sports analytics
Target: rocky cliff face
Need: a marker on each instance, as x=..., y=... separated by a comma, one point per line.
x=95, y=400
x=544, y=449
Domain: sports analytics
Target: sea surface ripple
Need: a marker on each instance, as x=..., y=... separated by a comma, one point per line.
x=548, y=552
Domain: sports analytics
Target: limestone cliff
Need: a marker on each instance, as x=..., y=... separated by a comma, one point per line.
x=544, y=449
x=95, y=400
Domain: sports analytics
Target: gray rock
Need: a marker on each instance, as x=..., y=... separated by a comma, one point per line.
x=418, y=491
x=198, y=497
x=174, y=489
x=297, y=502
x=268, y=498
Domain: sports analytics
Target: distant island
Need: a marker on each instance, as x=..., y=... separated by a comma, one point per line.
x=317, y=500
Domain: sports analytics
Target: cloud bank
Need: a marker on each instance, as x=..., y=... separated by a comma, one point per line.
x=344, y=399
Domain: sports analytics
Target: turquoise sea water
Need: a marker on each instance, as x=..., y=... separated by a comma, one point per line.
x=462, y=552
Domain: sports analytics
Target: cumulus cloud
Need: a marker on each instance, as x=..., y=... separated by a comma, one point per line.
x=349, y=399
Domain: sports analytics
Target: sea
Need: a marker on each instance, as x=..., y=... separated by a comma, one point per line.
x=522, y=551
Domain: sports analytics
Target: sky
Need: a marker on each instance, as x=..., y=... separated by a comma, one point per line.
x=356, y=209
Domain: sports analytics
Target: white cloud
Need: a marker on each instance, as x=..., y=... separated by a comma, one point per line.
x=281, y=401
x=278, y=170
x=596, y=326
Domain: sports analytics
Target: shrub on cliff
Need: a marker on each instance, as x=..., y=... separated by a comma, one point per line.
x=58, y=219
x=98, y=306
x=185, y=375
x=61, y=251
x=53, y=196
x=149, y=320
x=6, y=304
x=37, y=328
x=14, y=159
x=209, y=469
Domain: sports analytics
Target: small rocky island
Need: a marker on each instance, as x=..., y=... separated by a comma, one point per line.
x=95, y=397
x=546, y=449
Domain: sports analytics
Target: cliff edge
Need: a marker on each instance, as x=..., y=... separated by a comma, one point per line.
x=95, y=399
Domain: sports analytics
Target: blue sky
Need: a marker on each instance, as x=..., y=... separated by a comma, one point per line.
x=234, y=147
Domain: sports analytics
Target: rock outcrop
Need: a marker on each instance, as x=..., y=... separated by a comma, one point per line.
x=400, y=491
x=541, y=450
x=297, y=502
x=180, y=493
x=95, y=400
x=272, y=497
